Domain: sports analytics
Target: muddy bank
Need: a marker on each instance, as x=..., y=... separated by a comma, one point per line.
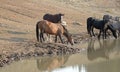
x=32, y=48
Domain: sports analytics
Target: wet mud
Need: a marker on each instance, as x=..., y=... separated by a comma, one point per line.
x=33, y=48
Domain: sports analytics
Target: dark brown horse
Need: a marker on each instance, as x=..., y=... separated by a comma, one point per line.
x=52, y=29
x=56, y=18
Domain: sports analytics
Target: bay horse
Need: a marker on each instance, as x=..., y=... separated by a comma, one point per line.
x=53, y=29
x=55, y=18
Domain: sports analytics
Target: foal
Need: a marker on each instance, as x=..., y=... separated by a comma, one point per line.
x=52, y=29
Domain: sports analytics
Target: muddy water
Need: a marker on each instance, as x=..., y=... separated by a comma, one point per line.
x=97, y=56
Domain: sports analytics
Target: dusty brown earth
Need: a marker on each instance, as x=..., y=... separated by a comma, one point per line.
x=19, y=17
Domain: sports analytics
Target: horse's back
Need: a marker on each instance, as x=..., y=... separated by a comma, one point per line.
x=115, y=24
x=98, y=23
x=49, y=27
x=47, y=17
x=56, y=18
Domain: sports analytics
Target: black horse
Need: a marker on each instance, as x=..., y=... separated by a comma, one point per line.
x=115, y=25
x=102, y=25
x=56, y=18
x=98, y=24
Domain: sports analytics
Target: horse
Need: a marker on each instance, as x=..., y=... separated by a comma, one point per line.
x=107, y=17
x=56, y=18
x=115, y=25
x=89, y=25
x=52, y=29
x=98, y=24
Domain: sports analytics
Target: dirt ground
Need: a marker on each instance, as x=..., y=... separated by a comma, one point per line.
x=18, y=19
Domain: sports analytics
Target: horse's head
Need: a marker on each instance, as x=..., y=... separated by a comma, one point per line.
x=61, y=14
x=112, y=29
x=107, y=17
x=70, y=39
x=68, y=36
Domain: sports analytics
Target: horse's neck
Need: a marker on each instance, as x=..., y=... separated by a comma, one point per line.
x=66, y=33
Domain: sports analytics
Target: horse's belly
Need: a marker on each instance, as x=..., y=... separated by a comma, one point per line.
x=51, y=31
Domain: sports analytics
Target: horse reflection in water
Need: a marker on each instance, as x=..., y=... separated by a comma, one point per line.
x=102, y=50
x=51, y=63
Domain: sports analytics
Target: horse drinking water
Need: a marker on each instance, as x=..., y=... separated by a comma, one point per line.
x=102, y=25
x=53, y=29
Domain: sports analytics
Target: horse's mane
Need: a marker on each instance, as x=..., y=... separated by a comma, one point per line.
x=65, y=28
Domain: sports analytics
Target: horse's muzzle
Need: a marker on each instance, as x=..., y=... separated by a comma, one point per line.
x=72, y=42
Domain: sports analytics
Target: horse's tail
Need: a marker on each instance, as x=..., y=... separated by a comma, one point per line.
x=37, y=31
x=89, y=24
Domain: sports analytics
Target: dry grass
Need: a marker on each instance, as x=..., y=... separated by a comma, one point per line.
x=20, y=16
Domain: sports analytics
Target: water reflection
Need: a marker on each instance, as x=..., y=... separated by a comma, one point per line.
x=100, y=56
x=50, y=63
x=76, y=68
x=102, y=49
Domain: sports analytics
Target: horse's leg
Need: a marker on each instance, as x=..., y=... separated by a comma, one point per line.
x=55, y=38
x=99, y=34
x=41, y=37
x=89, y=30
x=42, y=34
x=105, y=32
x=92, y=31
x=103, y=35
x=60, y=38
x=118, y=32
